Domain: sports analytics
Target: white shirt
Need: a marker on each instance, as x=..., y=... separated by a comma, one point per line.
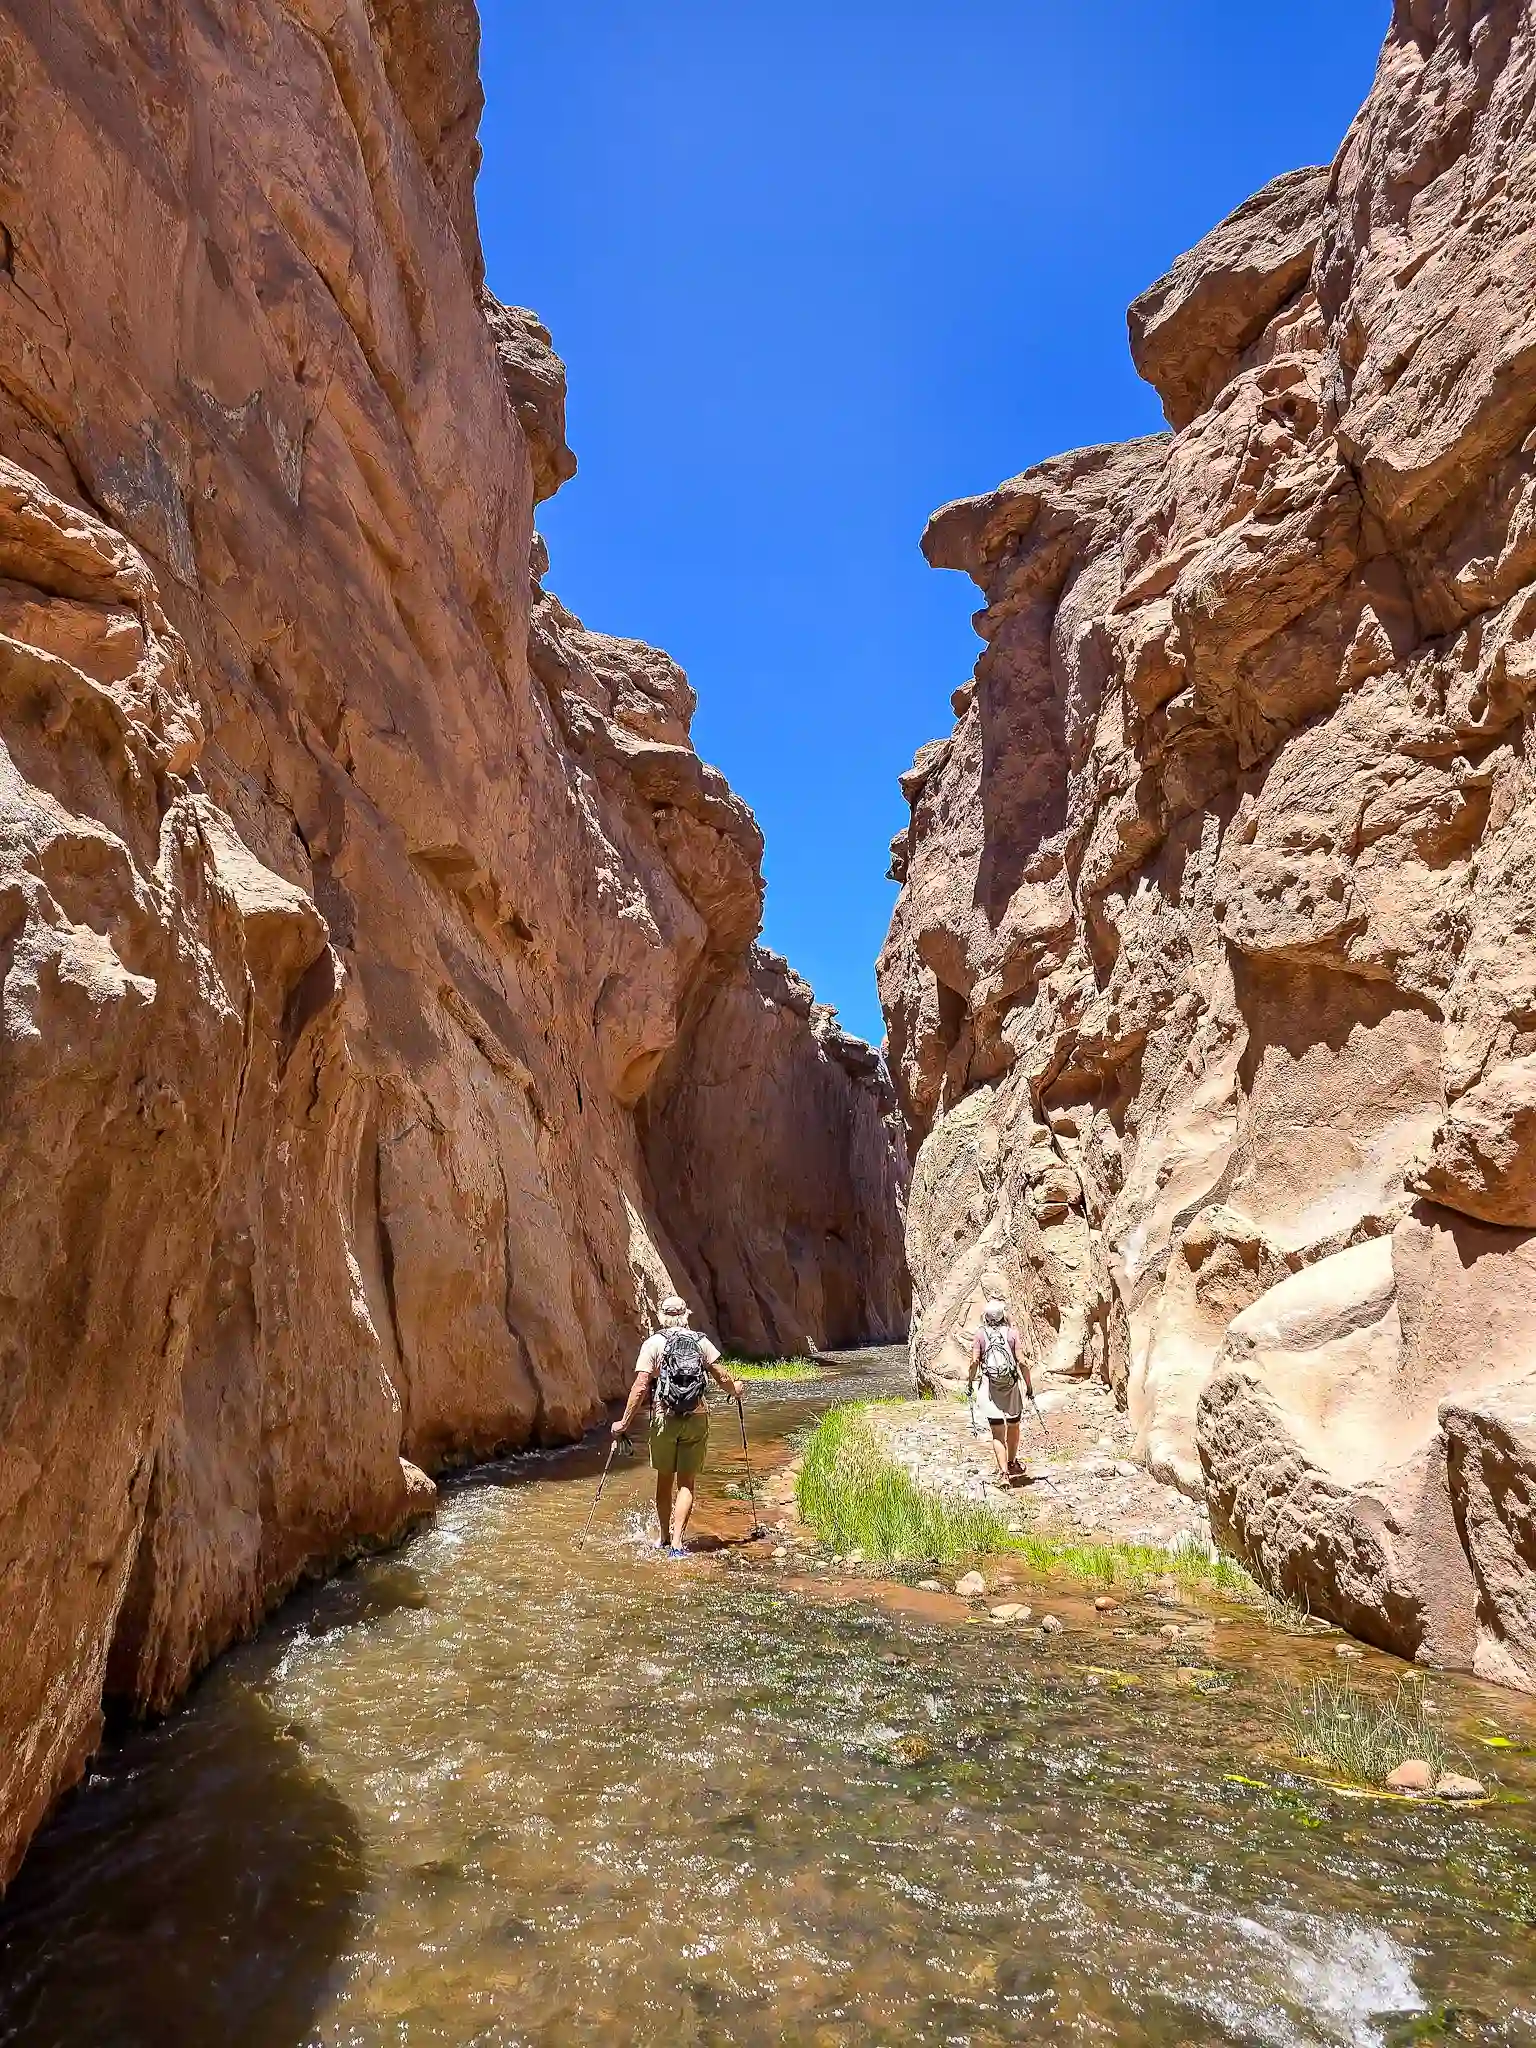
x=649, y=1360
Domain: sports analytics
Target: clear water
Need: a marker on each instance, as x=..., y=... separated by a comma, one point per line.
x=498, y=1789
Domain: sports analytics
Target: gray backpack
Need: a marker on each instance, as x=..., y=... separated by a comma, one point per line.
x=681, y=1381
x=997, y=1359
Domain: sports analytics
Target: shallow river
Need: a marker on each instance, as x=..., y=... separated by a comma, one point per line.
x=501, y=1789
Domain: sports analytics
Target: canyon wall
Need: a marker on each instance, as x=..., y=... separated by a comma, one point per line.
x=1212, y=983
x=371, y=935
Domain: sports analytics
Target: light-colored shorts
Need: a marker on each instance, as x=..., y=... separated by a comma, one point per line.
x=678, y=1442
x=1001, y=1404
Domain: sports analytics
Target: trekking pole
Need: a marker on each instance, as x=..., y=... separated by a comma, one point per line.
x=1041, y=1419
x=592, y=1511
x=741, y=1417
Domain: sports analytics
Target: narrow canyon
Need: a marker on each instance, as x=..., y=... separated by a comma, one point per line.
x=385, y=1026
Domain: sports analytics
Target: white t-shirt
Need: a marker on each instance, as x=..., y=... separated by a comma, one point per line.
x=652, y=1348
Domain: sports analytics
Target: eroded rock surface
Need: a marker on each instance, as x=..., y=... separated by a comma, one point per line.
x=359, y=909
x=1210, y=983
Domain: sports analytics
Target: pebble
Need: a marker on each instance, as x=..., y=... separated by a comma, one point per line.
x=929, y=1586
x=1124, y=1469
x=1348, y=1650
x=854, y=1557
x=1010, y=1611
x=1451, y=1785
x=779, y=1554
x=1411, y=1775
x=971, y=1587
x=1104, y=1605
x=1169, y=1632
x=1050, y=1624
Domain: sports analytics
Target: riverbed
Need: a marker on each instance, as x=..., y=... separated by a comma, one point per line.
x=503, y=1787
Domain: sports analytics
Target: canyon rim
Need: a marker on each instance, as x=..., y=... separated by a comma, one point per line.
x=383, y=1025
x=1211, y=988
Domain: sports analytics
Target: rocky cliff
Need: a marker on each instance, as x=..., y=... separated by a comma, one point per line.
x=382, y=1030
x=1212, y=983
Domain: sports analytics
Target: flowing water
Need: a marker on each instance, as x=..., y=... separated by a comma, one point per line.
x=500, y=1789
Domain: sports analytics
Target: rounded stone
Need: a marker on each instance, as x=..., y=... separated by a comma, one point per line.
x=1412, y=1775
x=1452, y=1785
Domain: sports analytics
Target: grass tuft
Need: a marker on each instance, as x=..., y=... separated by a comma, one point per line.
x=1361, y=1736
x=772, y=1369
x=857, y=1498
x=1131, y=1566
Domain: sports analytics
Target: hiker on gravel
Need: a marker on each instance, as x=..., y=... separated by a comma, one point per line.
x=674, y=1369
x=1004, y=1373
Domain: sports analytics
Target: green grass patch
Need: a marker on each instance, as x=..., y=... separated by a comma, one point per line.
x=1130, y=1567
x=772, y=1368
x=1361, y=1736
x=857, y=1498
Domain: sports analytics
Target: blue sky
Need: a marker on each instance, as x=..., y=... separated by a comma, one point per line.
x=818, y=266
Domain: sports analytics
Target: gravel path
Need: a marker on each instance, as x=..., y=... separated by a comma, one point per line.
x=1082, y=1483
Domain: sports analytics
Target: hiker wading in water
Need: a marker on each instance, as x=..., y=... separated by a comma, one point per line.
x=675, y=1367
x=996, y=1361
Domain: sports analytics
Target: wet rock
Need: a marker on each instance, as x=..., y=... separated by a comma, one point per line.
x=1010, y=1611
x=1412, y=1775
x=1051, y=1624
x=912, y=1750
x=1451, y=1785
x=971, y=1586
x=930, y=1586
x=1104, y=1605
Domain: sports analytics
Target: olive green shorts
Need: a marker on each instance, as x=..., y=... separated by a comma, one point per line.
x=678, y=1442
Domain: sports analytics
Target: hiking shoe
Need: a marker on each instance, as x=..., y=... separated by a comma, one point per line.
x=675, y=1550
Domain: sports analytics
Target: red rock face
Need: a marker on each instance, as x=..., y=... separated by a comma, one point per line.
x=359, y=910
x=1210, y=985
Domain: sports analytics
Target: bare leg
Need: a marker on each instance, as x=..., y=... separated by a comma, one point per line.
x=681, y=1511
x=664, y=1504
x=1013, y=1445
x=998, y=1450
